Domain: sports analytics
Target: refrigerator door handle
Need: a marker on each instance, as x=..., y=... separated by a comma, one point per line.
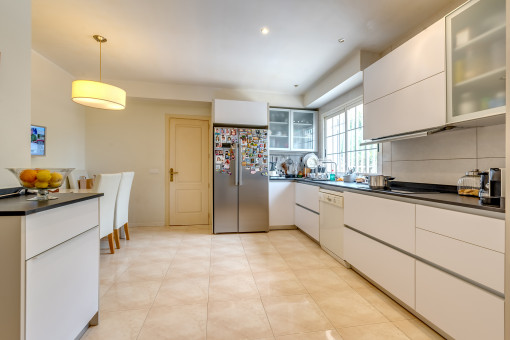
x=239, y=166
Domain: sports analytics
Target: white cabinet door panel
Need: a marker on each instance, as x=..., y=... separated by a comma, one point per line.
x=420, y=57
x=281, y=203
x=237, y=112
x=391, y=269
x=49, y=228
x=307, y=196
x=483, y=231
x=385, y=219
x=413, y=108
x=307, y=221
x=476, y=263
x=62, y=288
x=458, y=308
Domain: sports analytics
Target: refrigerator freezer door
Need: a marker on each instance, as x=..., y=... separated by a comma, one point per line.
x=225, y=200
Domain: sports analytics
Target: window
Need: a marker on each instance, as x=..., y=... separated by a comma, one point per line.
x=343, y=133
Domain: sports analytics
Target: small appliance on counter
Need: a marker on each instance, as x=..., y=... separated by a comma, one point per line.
x=469, y=184
x=490, y=187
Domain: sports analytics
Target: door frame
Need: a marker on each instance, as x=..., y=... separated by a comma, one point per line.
x=168, y=117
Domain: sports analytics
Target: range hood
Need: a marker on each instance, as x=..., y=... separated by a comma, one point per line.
x=407, y=135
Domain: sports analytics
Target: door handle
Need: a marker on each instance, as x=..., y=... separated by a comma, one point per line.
x=172, y=173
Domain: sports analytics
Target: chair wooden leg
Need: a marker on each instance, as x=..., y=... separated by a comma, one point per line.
x=116, y=236
x=110, y=241
x=126, y=230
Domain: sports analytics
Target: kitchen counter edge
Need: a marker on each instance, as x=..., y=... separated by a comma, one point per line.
x=446, y=201
x=19, y=206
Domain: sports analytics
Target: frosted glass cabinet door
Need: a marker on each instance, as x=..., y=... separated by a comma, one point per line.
x=303, y=130
x=475, y=40
x=279, y=128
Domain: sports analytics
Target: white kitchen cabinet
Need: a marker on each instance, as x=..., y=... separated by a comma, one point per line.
x=307, y=221
x=50, y=267
x=62, y=288
x=476, y=67
x=306, y=211
x=385, y=219
x=292, y=130
x=407, y=110
x=405, y=90
x=391, y=269
x=476, y=263
x=281, y=203
x=460, y=309
x=236, y=112
x=417, y=59
x=478, y=230
x=308, y=196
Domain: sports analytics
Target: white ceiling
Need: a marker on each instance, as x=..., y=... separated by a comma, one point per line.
x=218, y=43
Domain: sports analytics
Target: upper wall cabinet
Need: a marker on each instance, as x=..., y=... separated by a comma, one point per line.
x=292, y=130
x=405, y=90
x=236, y=112
x=476, y=60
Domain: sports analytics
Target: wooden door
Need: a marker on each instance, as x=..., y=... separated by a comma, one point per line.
x=189, y=149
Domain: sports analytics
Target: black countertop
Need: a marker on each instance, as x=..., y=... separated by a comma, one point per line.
x=19, y=206
x=448, y=198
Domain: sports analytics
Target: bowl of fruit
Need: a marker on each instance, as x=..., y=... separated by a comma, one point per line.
x=41, y=180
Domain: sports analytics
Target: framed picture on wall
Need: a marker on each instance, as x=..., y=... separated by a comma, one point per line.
x=37, y=140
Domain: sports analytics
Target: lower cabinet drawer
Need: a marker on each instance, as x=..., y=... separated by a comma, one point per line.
x=49, y=228
x=460, y=309
x=391, y=269
x=307, y=221
x=479, y=264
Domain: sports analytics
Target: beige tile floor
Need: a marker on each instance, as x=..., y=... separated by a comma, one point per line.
x=184, y=283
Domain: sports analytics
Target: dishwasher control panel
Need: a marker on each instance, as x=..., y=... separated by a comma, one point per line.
x=334, y=199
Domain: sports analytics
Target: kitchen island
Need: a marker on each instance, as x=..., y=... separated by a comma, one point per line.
x=50, y=266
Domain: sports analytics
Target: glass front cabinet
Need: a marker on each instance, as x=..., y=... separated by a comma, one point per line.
x=292, y=130
x=476, y=71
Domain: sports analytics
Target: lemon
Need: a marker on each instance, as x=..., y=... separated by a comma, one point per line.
x=56, y=177
x=43, y=176
x=41, y=185
x=55, y=184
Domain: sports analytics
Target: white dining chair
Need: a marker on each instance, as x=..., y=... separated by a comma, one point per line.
x=108, y=184
x=74, y=176
x=122, y=207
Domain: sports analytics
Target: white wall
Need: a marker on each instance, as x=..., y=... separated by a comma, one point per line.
x=65, y=120
x=15, y=45
x=445, y=157
x=134, y=140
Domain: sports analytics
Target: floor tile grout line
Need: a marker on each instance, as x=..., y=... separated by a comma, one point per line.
x=258, y=290
x=208, y=290
x=156, y=296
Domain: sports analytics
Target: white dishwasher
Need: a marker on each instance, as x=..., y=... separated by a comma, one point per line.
x=331, y=222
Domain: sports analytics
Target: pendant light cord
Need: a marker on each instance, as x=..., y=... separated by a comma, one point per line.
x=100, y=61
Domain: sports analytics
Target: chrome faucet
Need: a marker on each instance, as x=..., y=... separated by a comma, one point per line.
x=327, y=161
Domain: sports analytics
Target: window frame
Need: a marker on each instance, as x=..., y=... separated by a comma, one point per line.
x=342, y=111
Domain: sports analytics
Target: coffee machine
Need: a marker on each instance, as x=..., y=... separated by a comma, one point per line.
x=490, y=187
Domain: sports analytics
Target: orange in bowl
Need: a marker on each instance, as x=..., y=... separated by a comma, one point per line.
x=28, y=175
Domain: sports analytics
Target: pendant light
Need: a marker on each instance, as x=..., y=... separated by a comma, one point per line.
x=97, y=94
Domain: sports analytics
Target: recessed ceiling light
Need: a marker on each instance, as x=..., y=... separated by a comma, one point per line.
x=341, y=40
x=264, y=30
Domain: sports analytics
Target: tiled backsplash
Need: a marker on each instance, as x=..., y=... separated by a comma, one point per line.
x=444, y=157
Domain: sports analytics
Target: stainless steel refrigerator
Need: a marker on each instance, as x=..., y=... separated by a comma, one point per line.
x=240, y=182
